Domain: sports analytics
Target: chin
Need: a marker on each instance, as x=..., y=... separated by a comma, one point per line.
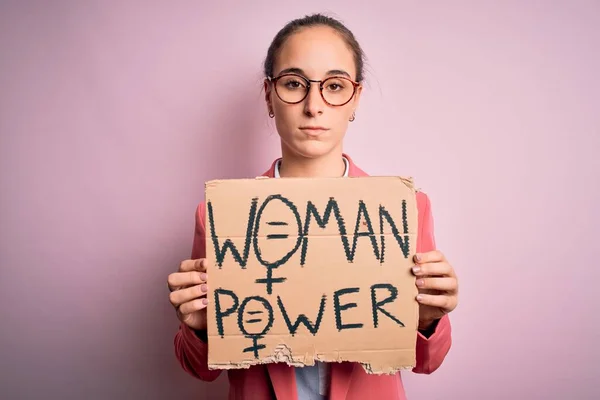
x=311, y=148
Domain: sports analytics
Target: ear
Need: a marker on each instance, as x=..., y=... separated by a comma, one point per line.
x=357, y=95
x=267, y=88
x=356, y=100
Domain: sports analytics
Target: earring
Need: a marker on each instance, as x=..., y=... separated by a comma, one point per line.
x=271, y=114
x=353, y=117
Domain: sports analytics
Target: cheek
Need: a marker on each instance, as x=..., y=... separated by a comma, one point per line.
x=342, y=118
x=286, y=118
x=287, y=114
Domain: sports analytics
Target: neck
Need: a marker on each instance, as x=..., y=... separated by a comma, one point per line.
x=326, y=166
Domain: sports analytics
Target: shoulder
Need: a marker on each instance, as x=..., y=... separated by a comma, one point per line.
x=423, y=202
x=426, y=235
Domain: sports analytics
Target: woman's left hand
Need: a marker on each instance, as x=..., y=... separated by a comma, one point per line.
x=438, y=287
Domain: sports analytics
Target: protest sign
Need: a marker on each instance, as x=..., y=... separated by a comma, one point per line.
x=307, y=269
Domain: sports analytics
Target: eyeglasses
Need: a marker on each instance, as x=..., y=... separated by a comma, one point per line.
x=335, y=91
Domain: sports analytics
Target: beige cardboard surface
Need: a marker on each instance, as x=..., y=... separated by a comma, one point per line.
x=293, y=277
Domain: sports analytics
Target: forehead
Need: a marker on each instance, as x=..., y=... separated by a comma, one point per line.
x=316, y=50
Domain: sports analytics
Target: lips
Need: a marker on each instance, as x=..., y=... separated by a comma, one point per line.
x=313, y=132
x=313, y=128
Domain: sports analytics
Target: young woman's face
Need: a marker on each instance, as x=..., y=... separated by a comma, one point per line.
x=313, y=128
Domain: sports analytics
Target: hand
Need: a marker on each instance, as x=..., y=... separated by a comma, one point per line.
x=438, y=287
x=188, y=289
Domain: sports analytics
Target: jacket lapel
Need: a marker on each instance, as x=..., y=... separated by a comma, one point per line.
x=283, y=379
x=354, y=171
x=341, y=376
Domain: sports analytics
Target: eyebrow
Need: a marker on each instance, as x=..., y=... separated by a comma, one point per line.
x=294, y=70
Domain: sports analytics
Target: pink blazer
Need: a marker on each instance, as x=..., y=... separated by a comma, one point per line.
x=348, y=380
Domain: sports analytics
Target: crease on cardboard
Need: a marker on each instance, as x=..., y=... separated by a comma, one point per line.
x=408, y=181
x=211, y=184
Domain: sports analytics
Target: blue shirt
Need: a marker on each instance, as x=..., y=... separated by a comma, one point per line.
x=312, y=381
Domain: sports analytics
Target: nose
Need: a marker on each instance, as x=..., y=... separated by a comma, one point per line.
x=314, y=104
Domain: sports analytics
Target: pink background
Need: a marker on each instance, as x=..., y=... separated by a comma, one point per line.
x=113, y=116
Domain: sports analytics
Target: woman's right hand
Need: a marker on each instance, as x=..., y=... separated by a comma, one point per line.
x=188, y=289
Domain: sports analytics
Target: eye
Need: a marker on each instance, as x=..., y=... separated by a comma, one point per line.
x=335, y=85
x=292, y=83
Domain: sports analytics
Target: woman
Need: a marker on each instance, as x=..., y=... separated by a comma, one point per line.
x=312, y=124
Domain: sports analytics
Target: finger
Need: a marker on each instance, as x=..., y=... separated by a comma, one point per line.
x=193, y=265
x=193, y=306
x=181, y=296
x=442, y=284
x=445, y=302
x=433, y=269
x=177, y=280
x=429, y=257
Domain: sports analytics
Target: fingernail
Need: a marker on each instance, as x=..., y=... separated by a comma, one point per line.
x=418, y=257
x=203, y=276
x=205, y=301
x=419, y=297
x=420, y=282
x=203, y=288
x=416, y=269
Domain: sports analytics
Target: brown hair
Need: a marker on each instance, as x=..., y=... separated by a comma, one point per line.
x=309, y=21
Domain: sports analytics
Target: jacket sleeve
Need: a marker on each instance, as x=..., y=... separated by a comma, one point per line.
x=431, y=350
x=192, y=351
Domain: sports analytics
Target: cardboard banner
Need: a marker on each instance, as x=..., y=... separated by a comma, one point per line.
x=305, y=269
